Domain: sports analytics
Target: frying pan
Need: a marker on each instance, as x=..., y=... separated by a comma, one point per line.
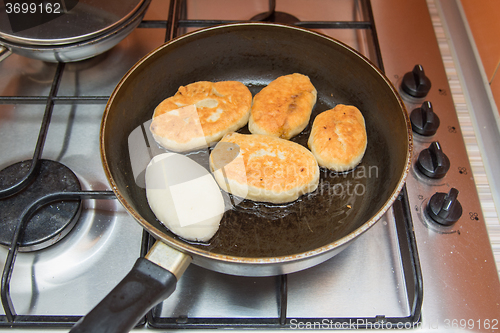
x=254, y=239
x=83, y=32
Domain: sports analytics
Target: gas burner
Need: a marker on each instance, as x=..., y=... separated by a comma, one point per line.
x=50, y=223
x=276, y=17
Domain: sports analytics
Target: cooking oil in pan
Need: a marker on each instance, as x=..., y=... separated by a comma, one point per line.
x=259, y=229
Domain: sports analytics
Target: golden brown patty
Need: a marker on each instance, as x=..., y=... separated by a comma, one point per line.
x=266, y=168
x=200, y=114
x=283, y=107
x=338, y=138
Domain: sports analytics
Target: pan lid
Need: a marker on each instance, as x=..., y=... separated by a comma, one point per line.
x=57, y=22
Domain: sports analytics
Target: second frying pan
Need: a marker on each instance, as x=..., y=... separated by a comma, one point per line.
x=66, y=31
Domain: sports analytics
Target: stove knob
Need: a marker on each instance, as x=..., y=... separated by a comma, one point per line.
x=424, y=121
x=415, y=83
x=432, y=162
x=444, y=208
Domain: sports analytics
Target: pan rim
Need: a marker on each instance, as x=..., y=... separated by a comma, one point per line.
x=197, y=252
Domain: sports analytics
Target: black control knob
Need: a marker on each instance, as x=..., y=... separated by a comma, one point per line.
x=416, y=83
x=444, y=208
x=424, y=121
x=433, y=162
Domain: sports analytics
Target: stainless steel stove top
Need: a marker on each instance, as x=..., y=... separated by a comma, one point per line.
x=403, y=273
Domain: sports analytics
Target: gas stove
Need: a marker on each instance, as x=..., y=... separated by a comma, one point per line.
x=426, y=265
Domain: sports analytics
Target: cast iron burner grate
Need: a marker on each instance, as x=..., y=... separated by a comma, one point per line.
x=50, y=223
x=174, y=25
x=275, y=16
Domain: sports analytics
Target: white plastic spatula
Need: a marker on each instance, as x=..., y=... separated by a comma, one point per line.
x=184, y=196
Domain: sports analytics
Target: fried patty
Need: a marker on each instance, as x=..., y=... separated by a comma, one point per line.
x=338, y=138
x=266, y=168
x=283, y=107
x=201, y=113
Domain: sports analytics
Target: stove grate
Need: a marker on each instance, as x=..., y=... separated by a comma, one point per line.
x=57, y=196
x=175, y=25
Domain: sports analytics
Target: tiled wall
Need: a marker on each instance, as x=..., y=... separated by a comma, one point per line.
x=484, y=21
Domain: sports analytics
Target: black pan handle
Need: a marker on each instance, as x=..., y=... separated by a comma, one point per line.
x=147, y=284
